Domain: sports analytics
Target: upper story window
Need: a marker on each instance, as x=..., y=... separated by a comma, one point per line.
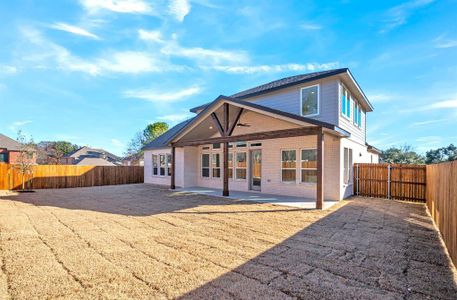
x=357, y=115
x=310, y=101
x=4, y=157
x=345, y=102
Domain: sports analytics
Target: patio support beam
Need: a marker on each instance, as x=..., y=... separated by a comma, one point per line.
x=265, y=135
x=173, y=167
x=320, y=169
x=225, y=188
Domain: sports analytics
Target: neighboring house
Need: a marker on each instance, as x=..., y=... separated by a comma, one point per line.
x=10, y=151
x=86, y=156
x=133, y=160
x=297, y=136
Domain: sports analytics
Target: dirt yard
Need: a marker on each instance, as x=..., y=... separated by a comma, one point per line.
x=145, y=242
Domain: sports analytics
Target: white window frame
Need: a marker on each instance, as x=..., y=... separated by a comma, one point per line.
x=354, y=119
x=168, y=160
x=318, y=100
x=340, y=100
x=347, y=166
x=215, y=168
x=160, y=166
x=301, y=168
x=232, y=165
x=157, y=164
x=209, y=165
x=236, y=165
x=289, y=182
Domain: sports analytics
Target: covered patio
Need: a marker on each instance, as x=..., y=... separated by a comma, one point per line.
x=220, y=123
x=298, y=202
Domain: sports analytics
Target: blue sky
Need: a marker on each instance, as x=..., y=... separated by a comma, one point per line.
x=95, y=72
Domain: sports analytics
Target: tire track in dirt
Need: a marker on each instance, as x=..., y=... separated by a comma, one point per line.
x=92, y=247
x=4, y=280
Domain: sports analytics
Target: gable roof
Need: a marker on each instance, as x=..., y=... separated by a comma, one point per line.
x=94, y=161
x=288, y=82
x=87, y=152
x=163, y=140
x=9, y=143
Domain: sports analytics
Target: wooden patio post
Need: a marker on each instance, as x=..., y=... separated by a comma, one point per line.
x=173, y=164
x=225, y=190
x=320, y=169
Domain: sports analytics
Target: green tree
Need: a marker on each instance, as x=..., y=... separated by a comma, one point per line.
x=154, y=130
x=435, y=156
x=402, y=155
x=150, y=133
x=64, y=148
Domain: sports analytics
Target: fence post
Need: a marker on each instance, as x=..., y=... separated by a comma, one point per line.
x=388, y=181
x=357, y=181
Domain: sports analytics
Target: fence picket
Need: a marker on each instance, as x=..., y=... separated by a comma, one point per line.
x=69, y=176
x=391, y=181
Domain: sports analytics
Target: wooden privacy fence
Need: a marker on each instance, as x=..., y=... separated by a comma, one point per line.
x=68, y=176
x=442, y=202
x=392, y=181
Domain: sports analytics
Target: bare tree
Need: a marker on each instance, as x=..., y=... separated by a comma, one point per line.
x=25, y=160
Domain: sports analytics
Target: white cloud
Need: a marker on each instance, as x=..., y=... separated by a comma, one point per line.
x=118, y=6
x=399, y=15
x=381, y=97
x=310, y=26
x=175, y=118
x=132, y=62
x=49, y=54
x=117, y=143
x=15, y=126
x=445, y=104
x=429, y=140
x=5, y=69
x=74, y=29
x=154, y=95
x=309, y=67
x=443, y=42
x=179, y=9
x=427, y=122
x=205, y=56
x=150, y=35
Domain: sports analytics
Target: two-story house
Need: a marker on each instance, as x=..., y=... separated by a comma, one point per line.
x=297, y=136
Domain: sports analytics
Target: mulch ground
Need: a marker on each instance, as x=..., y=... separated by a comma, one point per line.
x=145, y=242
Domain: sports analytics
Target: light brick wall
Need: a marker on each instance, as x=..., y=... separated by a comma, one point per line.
x=271, y=168
x=148, y=177
x=360, y=154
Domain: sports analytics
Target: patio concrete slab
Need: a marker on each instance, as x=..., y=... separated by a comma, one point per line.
x=299, y=202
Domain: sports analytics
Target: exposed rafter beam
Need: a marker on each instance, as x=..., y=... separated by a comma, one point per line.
x=218, y=124
x=237, y=118
x=266, y=135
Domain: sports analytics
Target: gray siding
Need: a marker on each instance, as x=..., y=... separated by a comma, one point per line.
x=357, y=134
x=288, y=100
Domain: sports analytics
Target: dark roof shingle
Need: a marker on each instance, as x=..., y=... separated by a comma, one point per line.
x=162, y=140
x=285, y=82
x=280, y=84
x=9, y=143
